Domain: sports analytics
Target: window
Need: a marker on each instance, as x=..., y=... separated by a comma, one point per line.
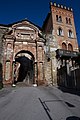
x=60, y=32
x=70, y=47
x=69, y=21
x=58, y=18
x=66, y=20
x=64, y=46
x=70, y=34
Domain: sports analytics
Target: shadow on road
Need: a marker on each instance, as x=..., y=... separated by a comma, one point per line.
x=69, y=104
x=69, y=90
x=73, y=118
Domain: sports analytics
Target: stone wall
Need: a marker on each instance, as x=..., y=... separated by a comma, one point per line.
x=2, y=32
x=51, y=69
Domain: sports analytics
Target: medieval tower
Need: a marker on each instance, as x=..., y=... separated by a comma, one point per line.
x=61, y=42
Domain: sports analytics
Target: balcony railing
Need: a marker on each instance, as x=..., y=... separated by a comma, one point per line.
x=66, y=53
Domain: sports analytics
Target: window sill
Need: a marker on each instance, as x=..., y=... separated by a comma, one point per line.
x=68, y=24
x=59, y=21
x=70, y=37
x=60, y=35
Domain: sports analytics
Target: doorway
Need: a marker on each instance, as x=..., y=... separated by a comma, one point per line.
x=24, y=70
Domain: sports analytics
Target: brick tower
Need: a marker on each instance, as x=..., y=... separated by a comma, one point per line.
x=61, y=41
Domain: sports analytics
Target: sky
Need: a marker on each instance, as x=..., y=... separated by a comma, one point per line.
x=35, y=11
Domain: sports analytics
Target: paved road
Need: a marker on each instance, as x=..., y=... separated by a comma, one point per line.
x=38, y=103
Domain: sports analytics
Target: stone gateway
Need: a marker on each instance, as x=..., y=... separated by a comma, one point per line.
x=23, y=48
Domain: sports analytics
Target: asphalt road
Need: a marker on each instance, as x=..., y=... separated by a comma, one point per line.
x=38, y=103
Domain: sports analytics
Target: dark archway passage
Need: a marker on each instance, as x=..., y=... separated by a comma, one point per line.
x=25, y=72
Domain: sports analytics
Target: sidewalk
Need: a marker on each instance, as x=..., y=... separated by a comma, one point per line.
x=69, y=90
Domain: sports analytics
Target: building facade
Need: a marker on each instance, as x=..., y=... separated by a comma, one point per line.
x=61, y=40
x=23, y=56
x=3, y=30
x=41, y=56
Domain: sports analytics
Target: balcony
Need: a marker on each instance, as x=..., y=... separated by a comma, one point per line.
x=66, y=54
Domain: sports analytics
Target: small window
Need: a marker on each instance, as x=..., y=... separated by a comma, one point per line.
x=70, y=47
x=66, y=20
x=58, y=18
x=64, y=46
x=69, y=21
x=60, y=32
x=70, y=34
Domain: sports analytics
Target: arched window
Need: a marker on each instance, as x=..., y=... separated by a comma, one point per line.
x=70, y=47
x=70, y=34
x=60, y=19
x=60, y=32
x=69, y=21
x=64, y=46
x=56, y=17
x=66, y=20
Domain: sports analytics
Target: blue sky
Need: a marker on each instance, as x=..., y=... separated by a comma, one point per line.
x=35, y=11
